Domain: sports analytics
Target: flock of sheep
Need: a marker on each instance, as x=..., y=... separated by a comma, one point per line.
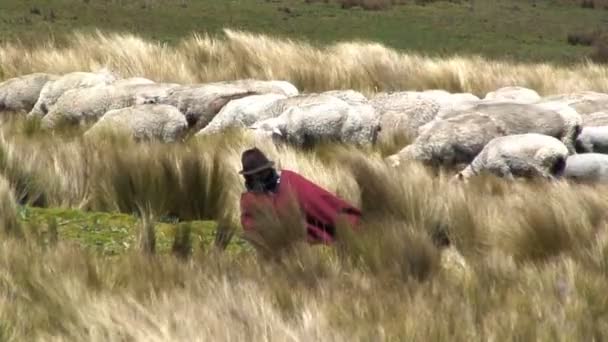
x=511, y=132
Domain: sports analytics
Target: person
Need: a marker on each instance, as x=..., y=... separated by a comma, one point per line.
x=320, y=209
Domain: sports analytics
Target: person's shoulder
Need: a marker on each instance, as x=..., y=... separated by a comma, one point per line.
x=290, y=176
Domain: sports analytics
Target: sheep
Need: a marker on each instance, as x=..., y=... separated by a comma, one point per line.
x=595, y=119
x=262, y=87
x=306, y=125
x=587, y=167
x=251, y=109
x=87, y=105
x=132, y=81
x=242, y=113
x=349, y=96
x=549, y=118
x=404, y=112
x=143, y=122
x=451, y=142
x=515, y=94
x=594, y=134
x=281, y=106
x=20, y=94
x=248, y=110
x=52, y=90
x=201, y=102
x=584, y=102
x=522, y=155
x=592, y=139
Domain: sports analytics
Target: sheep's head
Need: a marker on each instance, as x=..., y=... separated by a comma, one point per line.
x=271, y=128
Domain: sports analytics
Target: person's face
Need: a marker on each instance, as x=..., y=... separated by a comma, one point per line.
x=257, y=180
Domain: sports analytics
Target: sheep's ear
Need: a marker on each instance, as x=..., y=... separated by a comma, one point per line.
x=276, y=131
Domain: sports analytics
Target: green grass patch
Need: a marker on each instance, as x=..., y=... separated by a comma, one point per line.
x=113, y=233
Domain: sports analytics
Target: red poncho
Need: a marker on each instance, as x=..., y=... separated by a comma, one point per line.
x=320, y=207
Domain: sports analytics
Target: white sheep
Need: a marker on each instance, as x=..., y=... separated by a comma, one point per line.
x=404, y=112
x=522, y=155
x=587, y=167
x=549, y=118
x=132, y=81
x=263, y=86
x=451, y=142
x=143, y=122
x=515, y=94
x=349, y=96
x=593, y=139
x=52, y=90
x=201, y=102
x=242, y=113
x=595, y=119
x=87, y=105
x=251, y=109
x=584, y=102
x=20, y=94
x=338, y=121
x=594, y=135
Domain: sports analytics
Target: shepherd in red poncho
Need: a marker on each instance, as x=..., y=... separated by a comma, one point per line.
x=320, y=208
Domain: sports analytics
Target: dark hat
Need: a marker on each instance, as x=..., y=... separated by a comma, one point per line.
x=254, y=161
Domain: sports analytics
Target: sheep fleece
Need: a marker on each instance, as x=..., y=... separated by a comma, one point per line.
x=521, y=155
x=20, y=94
x=144, y=122
x=453, y=141
x=52, y=90
x=587, y=167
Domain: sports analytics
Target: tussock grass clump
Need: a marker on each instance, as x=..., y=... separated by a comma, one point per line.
x=10, y=225
x=364, y=66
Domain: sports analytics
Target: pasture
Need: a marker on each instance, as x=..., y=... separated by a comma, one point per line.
x=106, y=238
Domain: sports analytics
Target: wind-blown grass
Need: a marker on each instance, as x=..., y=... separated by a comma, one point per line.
x=368, y=67
x=431, y=260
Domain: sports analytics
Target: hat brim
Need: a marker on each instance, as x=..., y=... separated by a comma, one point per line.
x=258, y=169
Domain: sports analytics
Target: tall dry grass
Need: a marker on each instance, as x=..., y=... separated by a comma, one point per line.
x=364, y=66
x=536, y=271
x=532, y=267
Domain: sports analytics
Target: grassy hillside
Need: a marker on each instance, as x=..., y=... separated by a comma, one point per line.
x=499, y=29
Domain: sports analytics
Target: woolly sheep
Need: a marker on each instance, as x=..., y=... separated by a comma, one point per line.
x=515, y=94
x=587, y=167
x=280, y=106
x=248, y=110
x=594, y=135
x=349, y=96
x=328, y=121
x=143, y=122
x=132, y=81
x=593, y=139
x=584, y=102
x=451, y=142
x=262, y=86
x=242, y=113
x=201, y=102
x=20, y=94
x=404, y=112
x=550, y=118
x=595, y=119
x=52, y=90
x=87, y=105
x=522, y=155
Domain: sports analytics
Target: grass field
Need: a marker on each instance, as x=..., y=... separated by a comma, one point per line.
x=531, y=268
x=513, y=29
x=111, y=240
